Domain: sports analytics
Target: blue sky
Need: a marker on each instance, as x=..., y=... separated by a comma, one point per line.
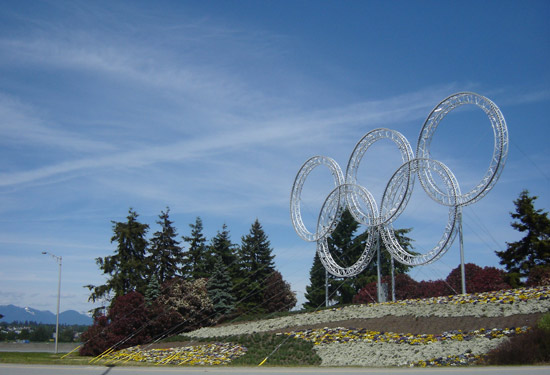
x=211, y=108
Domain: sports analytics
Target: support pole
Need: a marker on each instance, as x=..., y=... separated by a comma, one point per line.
x=461, y=240
x=326, y=288
x=58, y=297
x=378, y=272
x=392, y=281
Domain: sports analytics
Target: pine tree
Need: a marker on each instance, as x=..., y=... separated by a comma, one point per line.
x=534, y=249
x=222, y=248
x=277, y=294
x=256, y=264
x=315, y=292
x=219, y=288
x=195, y=259
x=165, y=253
x=346, y=248
x=127, y=268
x=370, y=273
x=153, y=290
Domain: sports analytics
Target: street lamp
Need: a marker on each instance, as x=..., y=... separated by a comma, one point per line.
x=58, y=260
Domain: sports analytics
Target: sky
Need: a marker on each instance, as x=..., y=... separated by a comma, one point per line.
x=210, y=109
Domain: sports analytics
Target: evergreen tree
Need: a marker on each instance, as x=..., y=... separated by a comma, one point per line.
x=219, y=288
x=153, y=290
x=315, y=291
x=127, y=268
x=256, y=264
x=277, y=294
x=370, y=273
x=195, y=259
x=222, y=248
x=165, y=253
x=346, y=247
x=534, y=249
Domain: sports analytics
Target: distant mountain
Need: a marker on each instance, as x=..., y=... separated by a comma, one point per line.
x=22, y=314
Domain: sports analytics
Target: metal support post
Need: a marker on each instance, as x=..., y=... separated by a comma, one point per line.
x=378, y=272
x=392, y=281
x=462, y=268
x=326, y=288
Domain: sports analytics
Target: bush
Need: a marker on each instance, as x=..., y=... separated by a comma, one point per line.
x=125, y=325
x=433, y=288
x=367, y=294
x=277, y=294
x=405, y=288
x=539, y=276
x=188, y=302
x=97, y=338
x=513, y=279
x=478, y=280
x=528, y=348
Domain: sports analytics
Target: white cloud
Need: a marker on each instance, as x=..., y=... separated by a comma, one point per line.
x=22, y=124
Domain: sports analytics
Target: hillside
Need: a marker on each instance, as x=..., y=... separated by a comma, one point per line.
x=13, y=313
x=445, y=330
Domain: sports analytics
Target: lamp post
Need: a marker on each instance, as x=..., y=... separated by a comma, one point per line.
x=58, y=260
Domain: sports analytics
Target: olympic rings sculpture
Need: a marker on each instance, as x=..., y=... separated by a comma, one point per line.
x=436, y=179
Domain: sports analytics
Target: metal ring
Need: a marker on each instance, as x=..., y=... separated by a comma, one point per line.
x=333, y=207
x=500, y=150
x=295, y=201
x=347, y=194
x=447, y=238
x=357, y=156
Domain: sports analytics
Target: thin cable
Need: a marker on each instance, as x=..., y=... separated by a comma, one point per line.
x=540, y=170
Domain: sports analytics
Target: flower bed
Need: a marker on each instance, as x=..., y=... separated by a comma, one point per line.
x=350, y=347
x=207, y=354
x=345, y=335
x=362, y=347
x=490, y=304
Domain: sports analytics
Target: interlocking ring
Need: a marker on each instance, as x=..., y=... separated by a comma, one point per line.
x=500, y=150
x=348, y=194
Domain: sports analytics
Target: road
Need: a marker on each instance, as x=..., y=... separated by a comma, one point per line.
x=16, y=369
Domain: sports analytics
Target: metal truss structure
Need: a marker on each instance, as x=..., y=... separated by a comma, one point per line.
x=436, y=179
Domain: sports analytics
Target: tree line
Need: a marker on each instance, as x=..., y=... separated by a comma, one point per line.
x=157, y=284
x=145, y=265
x=35, y=332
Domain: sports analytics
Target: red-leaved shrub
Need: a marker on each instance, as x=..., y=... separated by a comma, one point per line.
x=539, y=276
x=478, y=280
x=125, y=325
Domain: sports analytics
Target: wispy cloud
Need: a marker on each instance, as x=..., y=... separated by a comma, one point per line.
x=21, y=124
x=282, y=131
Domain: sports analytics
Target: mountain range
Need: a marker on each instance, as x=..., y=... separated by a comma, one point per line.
x=13, y=313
